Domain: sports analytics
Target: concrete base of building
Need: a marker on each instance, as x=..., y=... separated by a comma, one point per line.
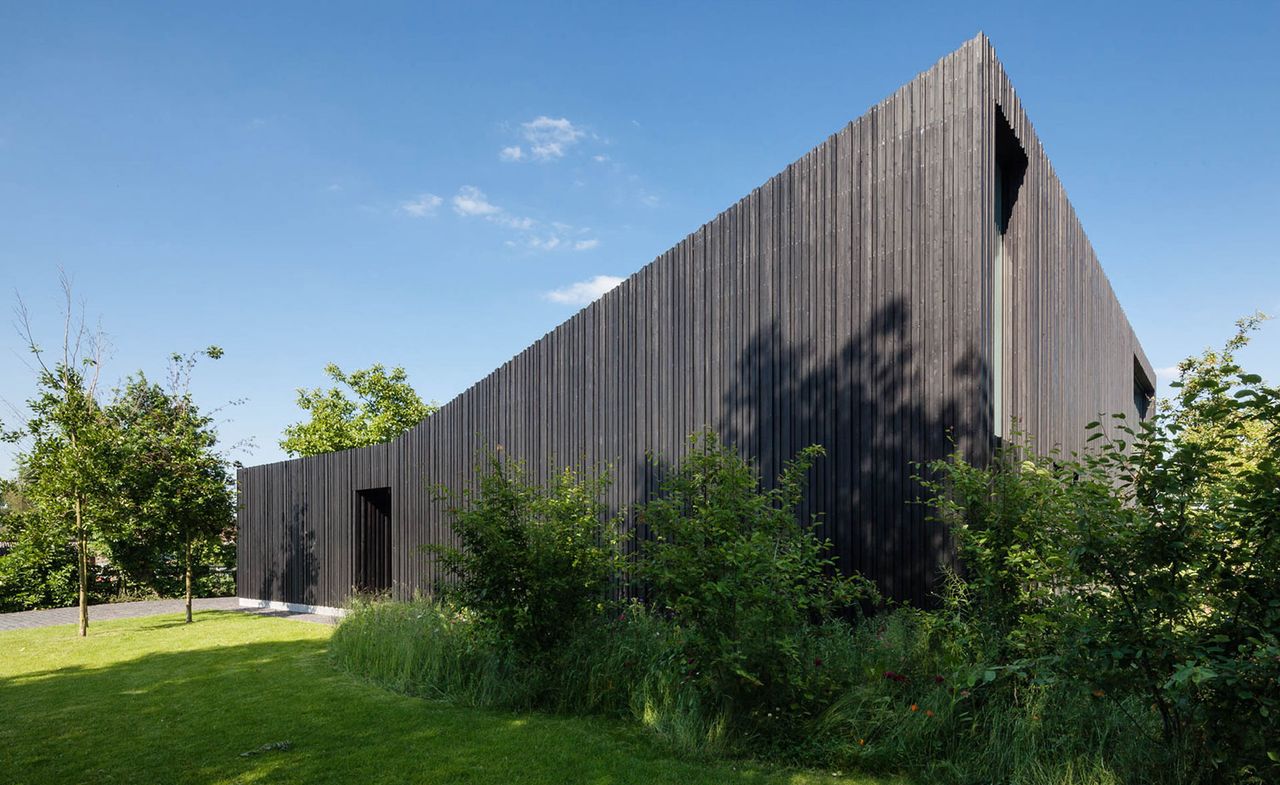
x=293, y=607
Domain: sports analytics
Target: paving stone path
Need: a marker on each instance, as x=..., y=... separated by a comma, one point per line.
x=25, y=620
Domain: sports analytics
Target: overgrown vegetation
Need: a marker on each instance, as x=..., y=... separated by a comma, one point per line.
x=533, y=563
x=1116, y=620
x=1145, y=571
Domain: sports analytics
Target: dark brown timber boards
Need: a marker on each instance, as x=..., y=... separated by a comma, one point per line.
x=884, y=295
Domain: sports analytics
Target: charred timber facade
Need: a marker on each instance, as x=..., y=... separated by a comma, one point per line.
x=917, y=278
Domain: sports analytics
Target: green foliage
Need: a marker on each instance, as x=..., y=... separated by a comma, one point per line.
x=532, y=562
x=385, y=405
x=1148, y=569
x=37, y=561
x=744, y=579
x=63, y=471
x=174, y=501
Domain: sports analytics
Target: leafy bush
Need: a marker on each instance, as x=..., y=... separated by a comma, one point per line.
x=38, y=569
x=533, y=563
x=744, y=580
x=1147, y=570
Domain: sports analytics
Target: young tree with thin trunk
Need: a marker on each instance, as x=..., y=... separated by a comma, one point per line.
x=62, y=471
x=175, y=488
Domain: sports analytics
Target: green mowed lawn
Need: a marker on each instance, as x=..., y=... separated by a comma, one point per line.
x=157, y=701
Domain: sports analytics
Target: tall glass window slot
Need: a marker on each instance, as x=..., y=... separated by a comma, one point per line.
x=997, y=308
x=1010, y=170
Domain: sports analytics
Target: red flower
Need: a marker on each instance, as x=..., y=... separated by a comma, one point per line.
x=817, y=662
x=938, y=680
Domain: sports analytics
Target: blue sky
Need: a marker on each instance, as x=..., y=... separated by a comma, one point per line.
x=410, y=184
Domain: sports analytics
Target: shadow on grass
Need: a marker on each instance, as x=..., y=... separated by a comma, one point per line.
x=185, y=716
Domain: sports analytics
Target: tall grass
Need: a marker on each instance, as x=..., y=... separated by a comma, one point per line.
x=892, y=697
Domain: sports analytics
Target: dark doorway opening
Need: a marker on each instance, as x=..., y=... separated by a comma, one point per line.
x=372, y=540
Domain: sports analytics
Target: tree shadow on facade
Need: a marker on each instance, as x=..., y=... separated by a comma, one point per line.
x=293, y=571
x=880, y=413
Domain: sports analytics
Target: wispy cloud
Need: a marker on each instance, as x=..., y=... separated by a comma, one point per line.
x=583, y=292
x=535, y=235
x=471, y=201
x=422, y=207
x=1167, y=374
x=548, y=138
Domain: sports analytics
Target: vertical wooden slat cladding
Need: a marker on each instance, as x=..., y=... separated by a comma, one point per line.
x=848, y=302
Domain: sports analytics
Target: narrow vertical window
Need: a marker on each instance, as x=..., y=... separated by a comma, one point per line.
x=1010, y=170
x=997, y=307
x=1144, y=391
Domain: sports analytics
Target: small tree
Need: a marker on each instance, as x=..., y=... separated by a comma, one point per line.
x=533, y=562
x=175, y=490
x=63, y=470
x=385, y=405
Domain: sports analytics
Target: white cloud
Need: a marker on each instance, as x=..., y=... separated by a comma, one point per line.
x=548, y=243
x=600, y=158
x=583, y=292
x=548, y=138
x=421, y=207
x=472, y=201
x=514, y=222
x=533, y=234
x=1167, y=374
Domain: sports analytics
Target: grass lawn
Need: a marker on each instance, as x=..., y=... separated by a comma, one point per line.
x=156, y=701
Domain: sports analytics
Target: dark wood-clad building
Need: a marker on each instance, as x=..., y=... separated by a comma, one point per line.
x=919, y=277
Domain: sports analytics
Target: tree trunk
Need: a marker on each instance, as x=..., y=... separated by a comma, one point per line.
x=82, y=553
x=188, y=582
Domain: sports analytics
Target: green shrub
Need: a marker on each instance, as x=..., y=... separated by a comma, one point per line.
x=533, y=563
x=1147, y=571
x=39, y=568
x=744, y=580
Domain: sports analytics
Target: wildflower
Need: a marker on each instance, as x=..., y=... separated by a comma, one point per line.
x=964, y=693
x=1098, y=693
x=915, y=707
x=928, y=712
x=938, y=680
x=862, y=742
x=817, y=662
